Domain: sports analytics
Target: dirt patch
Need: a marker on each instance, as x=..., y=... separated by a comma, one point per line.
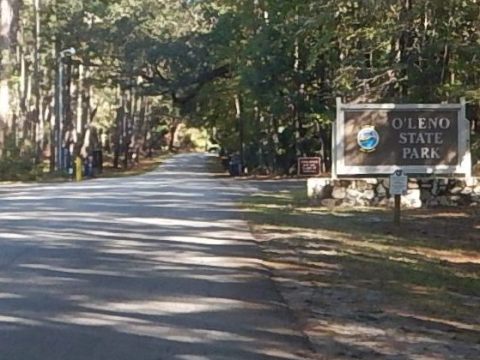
x=366, y=290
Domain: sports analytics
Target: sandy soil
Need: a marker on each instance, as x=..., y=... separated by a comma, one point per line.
x=363, y=289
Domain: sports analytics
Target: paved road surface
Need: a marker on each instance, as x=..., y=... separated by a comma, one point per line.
x=156, y=267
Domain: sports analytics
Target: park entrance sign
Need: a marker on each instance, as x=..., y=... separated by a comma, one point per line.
x=418, y=138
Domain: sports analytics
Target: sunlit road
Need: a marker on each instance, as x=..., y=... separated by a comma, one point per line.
x=156, y=267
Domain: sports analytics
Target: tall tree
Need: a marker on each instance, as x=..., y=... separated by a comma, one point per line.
x=8, y=19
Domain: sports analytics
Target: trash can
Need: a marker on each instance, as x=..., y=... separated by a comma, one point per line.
x=235, y=166
x=97, y=161
x=88, y=166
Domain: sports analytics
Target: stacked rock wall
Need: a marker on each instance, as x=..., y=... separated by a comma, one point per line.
x=422, y=192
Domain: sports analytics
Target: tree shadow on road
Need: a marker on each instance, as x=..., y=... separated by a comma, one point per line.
x=160, y=266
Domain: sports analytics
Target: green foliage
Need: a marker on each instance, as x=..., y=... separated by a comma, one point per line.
x=291, y=60
x=193, y=139
x=18, y=163
x=286, y=61
x=19, y=169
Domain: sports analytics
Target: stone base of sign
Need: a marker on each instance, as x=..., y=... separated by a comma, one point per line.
x=319, y=188
x=422, y=192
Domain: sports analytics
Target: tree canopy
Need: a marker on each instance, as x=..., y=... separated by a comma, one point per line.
x=262, y=72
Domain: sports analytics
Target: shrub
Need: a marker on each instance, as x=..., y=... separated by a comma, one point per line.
x=18, y=163
x=19, y=169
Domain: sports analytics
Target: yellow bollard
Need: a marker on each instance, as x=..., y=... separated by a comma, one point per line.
x=78, y=168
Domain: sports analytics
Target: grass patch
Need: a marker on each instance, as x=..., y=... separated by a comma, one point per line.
x=430, y=267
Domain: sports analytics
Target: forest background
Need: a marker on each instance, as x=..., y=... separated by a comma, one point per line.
x=259, y=76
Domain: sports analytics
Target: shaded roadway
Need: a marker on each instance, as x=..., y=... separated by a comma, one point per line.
x=154, y=267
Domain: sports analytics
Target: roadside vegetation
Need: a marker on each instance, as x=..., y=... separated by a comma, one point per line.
x=365, y=289
x=23, y=170
x=261, y=77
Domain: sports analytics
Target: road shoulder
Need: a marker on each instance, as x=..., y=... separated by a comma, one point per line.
x=362, y=292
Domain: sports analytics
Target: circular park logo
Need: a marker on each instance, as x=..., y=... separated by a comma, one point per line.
x=368, y=139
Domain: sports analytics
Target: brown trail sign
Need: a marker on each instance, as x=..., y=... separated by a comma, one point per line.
x=309, y=166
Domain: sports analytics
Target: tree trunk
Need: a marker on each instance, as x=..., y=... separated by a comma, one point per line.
x=24, y=91
x=38, y=120
x=128, y=120
x=54, y=128
x=7, y=33
x=117, y=136
x=68, y=124
x=139, y=131
x=238, y=115
x=173, y=134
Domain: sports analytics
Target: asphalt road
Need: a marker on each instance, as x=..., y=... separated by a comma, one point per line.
x=155, y=267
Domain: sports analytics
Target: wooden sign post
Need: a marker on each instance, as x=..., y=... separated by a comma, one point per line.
x=398, y=187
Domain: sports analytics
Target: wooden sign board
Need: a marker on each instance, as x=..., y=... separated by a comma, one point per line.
x=309, y=166
x=419, y=138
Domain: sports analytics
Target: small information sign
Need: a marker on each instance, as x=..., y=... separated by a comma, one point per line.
x=309, y=166
x=398, y=183
x=398, y=187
